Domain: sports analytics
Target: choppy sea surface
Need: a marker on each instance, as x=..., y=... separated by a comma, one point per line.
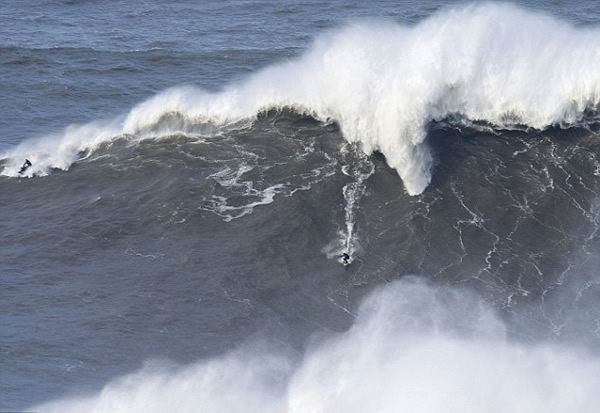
x=199, y=168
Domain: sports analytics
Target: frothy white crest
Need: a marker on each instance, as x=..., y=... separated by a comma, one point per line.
x=414, y=347
x=59, y=151
x=384, y=82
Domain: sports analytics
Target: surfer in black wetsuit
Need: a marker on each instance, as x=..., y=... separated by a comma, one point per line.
x=25, y=166
x=345, y=258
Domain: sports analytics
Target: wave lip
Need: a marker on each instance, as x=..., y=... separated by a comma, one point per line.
x=384, y=83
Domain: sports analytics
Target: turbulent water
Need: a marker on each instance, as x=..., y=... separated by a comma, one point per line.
x=198, y=170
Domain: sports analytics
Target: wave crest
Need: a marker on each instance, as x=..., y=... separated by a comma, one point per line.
x=384, y=83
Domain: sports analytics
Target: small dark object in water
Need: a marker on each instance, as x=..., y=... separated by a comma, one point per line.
x=25, y=166
x=345, y=258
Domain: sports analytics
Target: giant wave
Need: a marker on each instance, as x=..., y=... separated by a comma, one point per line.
x=384, y=84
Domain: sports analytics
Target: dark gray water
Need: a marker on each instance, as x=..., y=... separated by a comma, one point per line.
x=196, y=231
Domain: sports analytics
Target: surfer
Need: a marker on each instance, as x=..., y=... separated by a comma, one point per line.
x=25, y=166
x=345, y=258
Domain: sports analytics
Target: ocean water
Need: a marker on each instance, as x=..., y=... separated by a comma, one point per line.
x=198, y=168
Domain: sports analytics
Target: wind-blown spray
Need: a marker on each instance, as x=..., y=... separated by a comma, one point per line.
x=413, y=347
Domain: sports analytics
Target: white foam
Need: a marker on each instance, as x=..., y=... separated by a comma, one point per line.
x=384, y=83
x=241, y=194
x=359, y=168
x=59, y=150
x=414, y=347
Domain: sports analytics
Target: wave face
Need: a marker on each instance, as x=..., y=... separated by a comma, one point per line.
x=384, y=83
x=185, y=248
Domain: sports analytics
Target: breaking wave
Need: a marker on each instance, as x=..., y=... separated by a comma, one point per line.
x=383, y=83
x=413, y=347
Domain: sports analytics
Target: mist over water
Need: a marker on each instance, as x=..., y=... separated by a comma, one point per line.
x=412, y=346
x=176, y=243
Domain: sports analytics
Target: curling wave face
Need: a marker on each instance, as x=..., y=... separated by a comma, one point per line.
x=384, y=83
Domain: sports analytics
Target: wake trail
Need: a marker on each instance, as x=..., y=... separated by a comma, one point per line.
x=359, y=167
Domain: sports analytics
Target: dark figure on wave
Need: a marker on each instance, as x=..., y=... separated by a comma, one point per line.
x=345, y=259
x=25, y=166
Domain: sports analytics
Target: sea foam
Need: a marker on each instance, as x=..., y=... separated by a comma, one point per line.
x=384, y=83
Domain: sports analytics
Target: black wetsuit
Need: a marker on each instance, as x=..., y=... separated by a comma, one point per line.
x=345, y=258
x=26, y=165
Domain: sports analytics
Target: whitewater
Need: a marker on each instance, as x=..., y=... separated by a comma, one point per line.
x=384, y=83
x=413, y=347
x=199, y=170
